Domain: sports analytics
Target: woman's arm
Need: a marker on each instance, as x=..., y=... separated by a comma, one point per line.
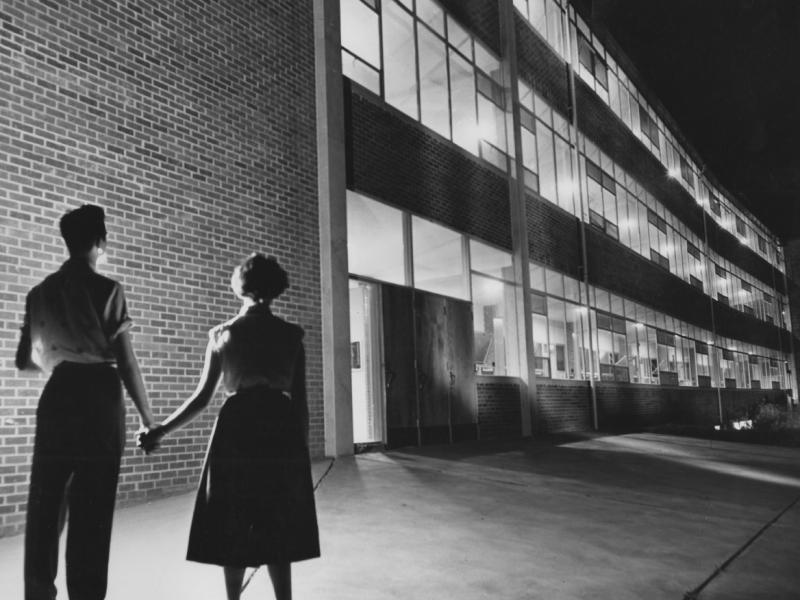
x=131, y=376
x=209, y=380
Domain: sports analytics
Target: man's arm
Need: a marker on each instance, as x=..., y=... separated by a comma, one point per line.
x=131, y=376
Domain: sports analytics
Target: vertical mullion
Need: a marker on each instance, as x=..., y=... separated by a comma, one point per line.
x=382, y=74
x=451, y=137
x=415, y=29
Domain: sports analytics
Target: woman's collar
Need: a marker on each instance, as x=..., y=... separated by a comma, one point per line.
x=258, y=308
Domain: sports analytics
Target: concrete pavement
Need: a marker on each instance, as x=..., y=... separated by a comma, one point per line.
x=630, y=517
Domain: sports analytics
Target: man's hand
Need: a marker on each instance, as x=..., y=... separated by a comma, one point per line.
x=149, y=438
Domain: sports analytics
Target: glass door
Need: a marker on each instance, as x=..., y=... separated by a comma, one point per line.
x=365, y=363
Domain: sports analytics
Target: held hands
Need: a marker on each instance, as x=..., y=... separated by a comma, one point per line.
x=149, y=438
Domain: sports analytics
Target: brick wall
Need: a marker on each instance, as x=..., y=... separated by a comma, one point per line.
x=563, y=405
x=498, y=408
x=630, y=406
x=553, y=236
x=620, y=269
x=193, y=125
x=541, y=67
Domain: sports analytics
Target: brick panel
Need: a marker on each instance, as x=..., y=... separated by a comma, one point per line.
x=623, y=407
x=498, y=409
x=621, y=270
x=740, y=326
x=397, y=160
x=563, y=406
x=541, y=67
x=729, y=246
x=553, y=236
x=193, y=125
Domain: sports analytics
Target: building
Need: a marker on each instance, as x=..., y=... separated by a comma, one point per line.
x=493, y=228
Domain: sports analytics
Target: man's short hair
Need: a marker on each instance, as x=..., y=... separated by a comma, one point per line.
x=83, y=228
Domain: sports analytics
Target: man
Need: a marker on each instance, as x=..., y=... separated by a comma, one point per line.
x=76, y=328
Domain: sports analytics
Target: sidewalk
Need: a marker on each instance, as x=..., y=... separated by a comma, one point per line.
x=633, y=517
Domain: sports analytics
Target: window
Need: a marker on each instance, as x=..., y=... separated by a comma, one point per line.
x=375, y=246
x=667, y=358
x=703, y=365
x=741, y=227
x=716, y=208
x=612, y=348
x=592, y=65
x=659, y=258
x=400, y=58
x=686, y=172
x=435, y=112
x=648, y=125
x=547, y=165
x=557, y=332
x=439, y=260
x=361, y=56
x=462, y=98
x=494, y=316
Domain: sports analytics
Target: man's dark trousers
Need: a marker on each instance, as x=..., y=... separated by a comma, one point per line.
x=80, y=433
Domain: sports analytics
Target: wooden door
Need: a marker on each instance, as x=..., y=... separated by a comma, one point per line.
x=399, y=372
x=459, y=352
x=433, y=375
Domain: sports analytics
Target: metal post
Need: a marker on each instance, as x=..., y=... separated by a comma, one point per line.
x=573, y=142
x=519, y=222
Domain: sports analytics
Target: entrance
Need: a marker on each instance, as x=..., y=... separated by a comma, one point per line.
x=365, y=363
x=412, y=369
x=428, y=358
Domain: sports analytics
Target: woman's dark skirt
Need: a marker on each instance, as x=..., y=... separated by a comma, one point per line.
x=255, y=503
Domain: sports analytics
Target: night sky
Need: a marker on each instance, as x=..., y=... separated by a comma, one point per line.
x=728, y=71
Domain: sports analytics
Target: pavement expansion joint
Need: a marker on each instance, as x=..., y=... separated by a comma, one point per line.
x=695, y=593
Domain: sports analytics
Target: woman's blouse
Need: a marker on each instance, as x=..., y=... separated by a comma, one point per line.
x=259, y=349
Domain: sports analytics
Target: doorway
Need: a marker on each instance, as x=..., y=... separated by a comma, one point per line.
x=428, y=360
x=365, y=364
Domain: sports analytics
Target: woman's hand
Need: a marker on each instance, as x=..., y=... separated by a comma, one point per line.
x=149, y=438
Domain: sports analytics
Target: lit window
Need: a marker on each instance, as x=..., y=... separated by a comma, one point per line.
x=375, y=246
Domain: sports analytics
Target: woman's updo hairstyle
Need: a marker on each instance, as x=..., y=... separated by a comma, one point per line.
x=259, y=277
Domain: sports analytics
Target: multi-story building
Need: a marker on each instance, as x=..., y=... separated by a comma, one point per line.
x=509, y=171
x=493, y=229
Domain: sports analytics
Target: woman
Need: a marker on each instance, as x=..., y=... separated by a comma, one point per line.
x=255, y=502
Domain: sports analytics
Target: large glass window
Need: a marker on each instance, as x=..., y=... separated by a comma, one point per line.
x=400, y=58
x=375, y=246
x=462, y=98
x=439, y=259
x=494, y=310
x=433, y=81
x=557, y=330
x=361, y=55
x=495, y=326
x=541, y=343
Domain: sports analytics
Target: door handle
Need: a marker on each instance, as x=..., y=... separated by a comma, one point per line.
x=452, y=379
